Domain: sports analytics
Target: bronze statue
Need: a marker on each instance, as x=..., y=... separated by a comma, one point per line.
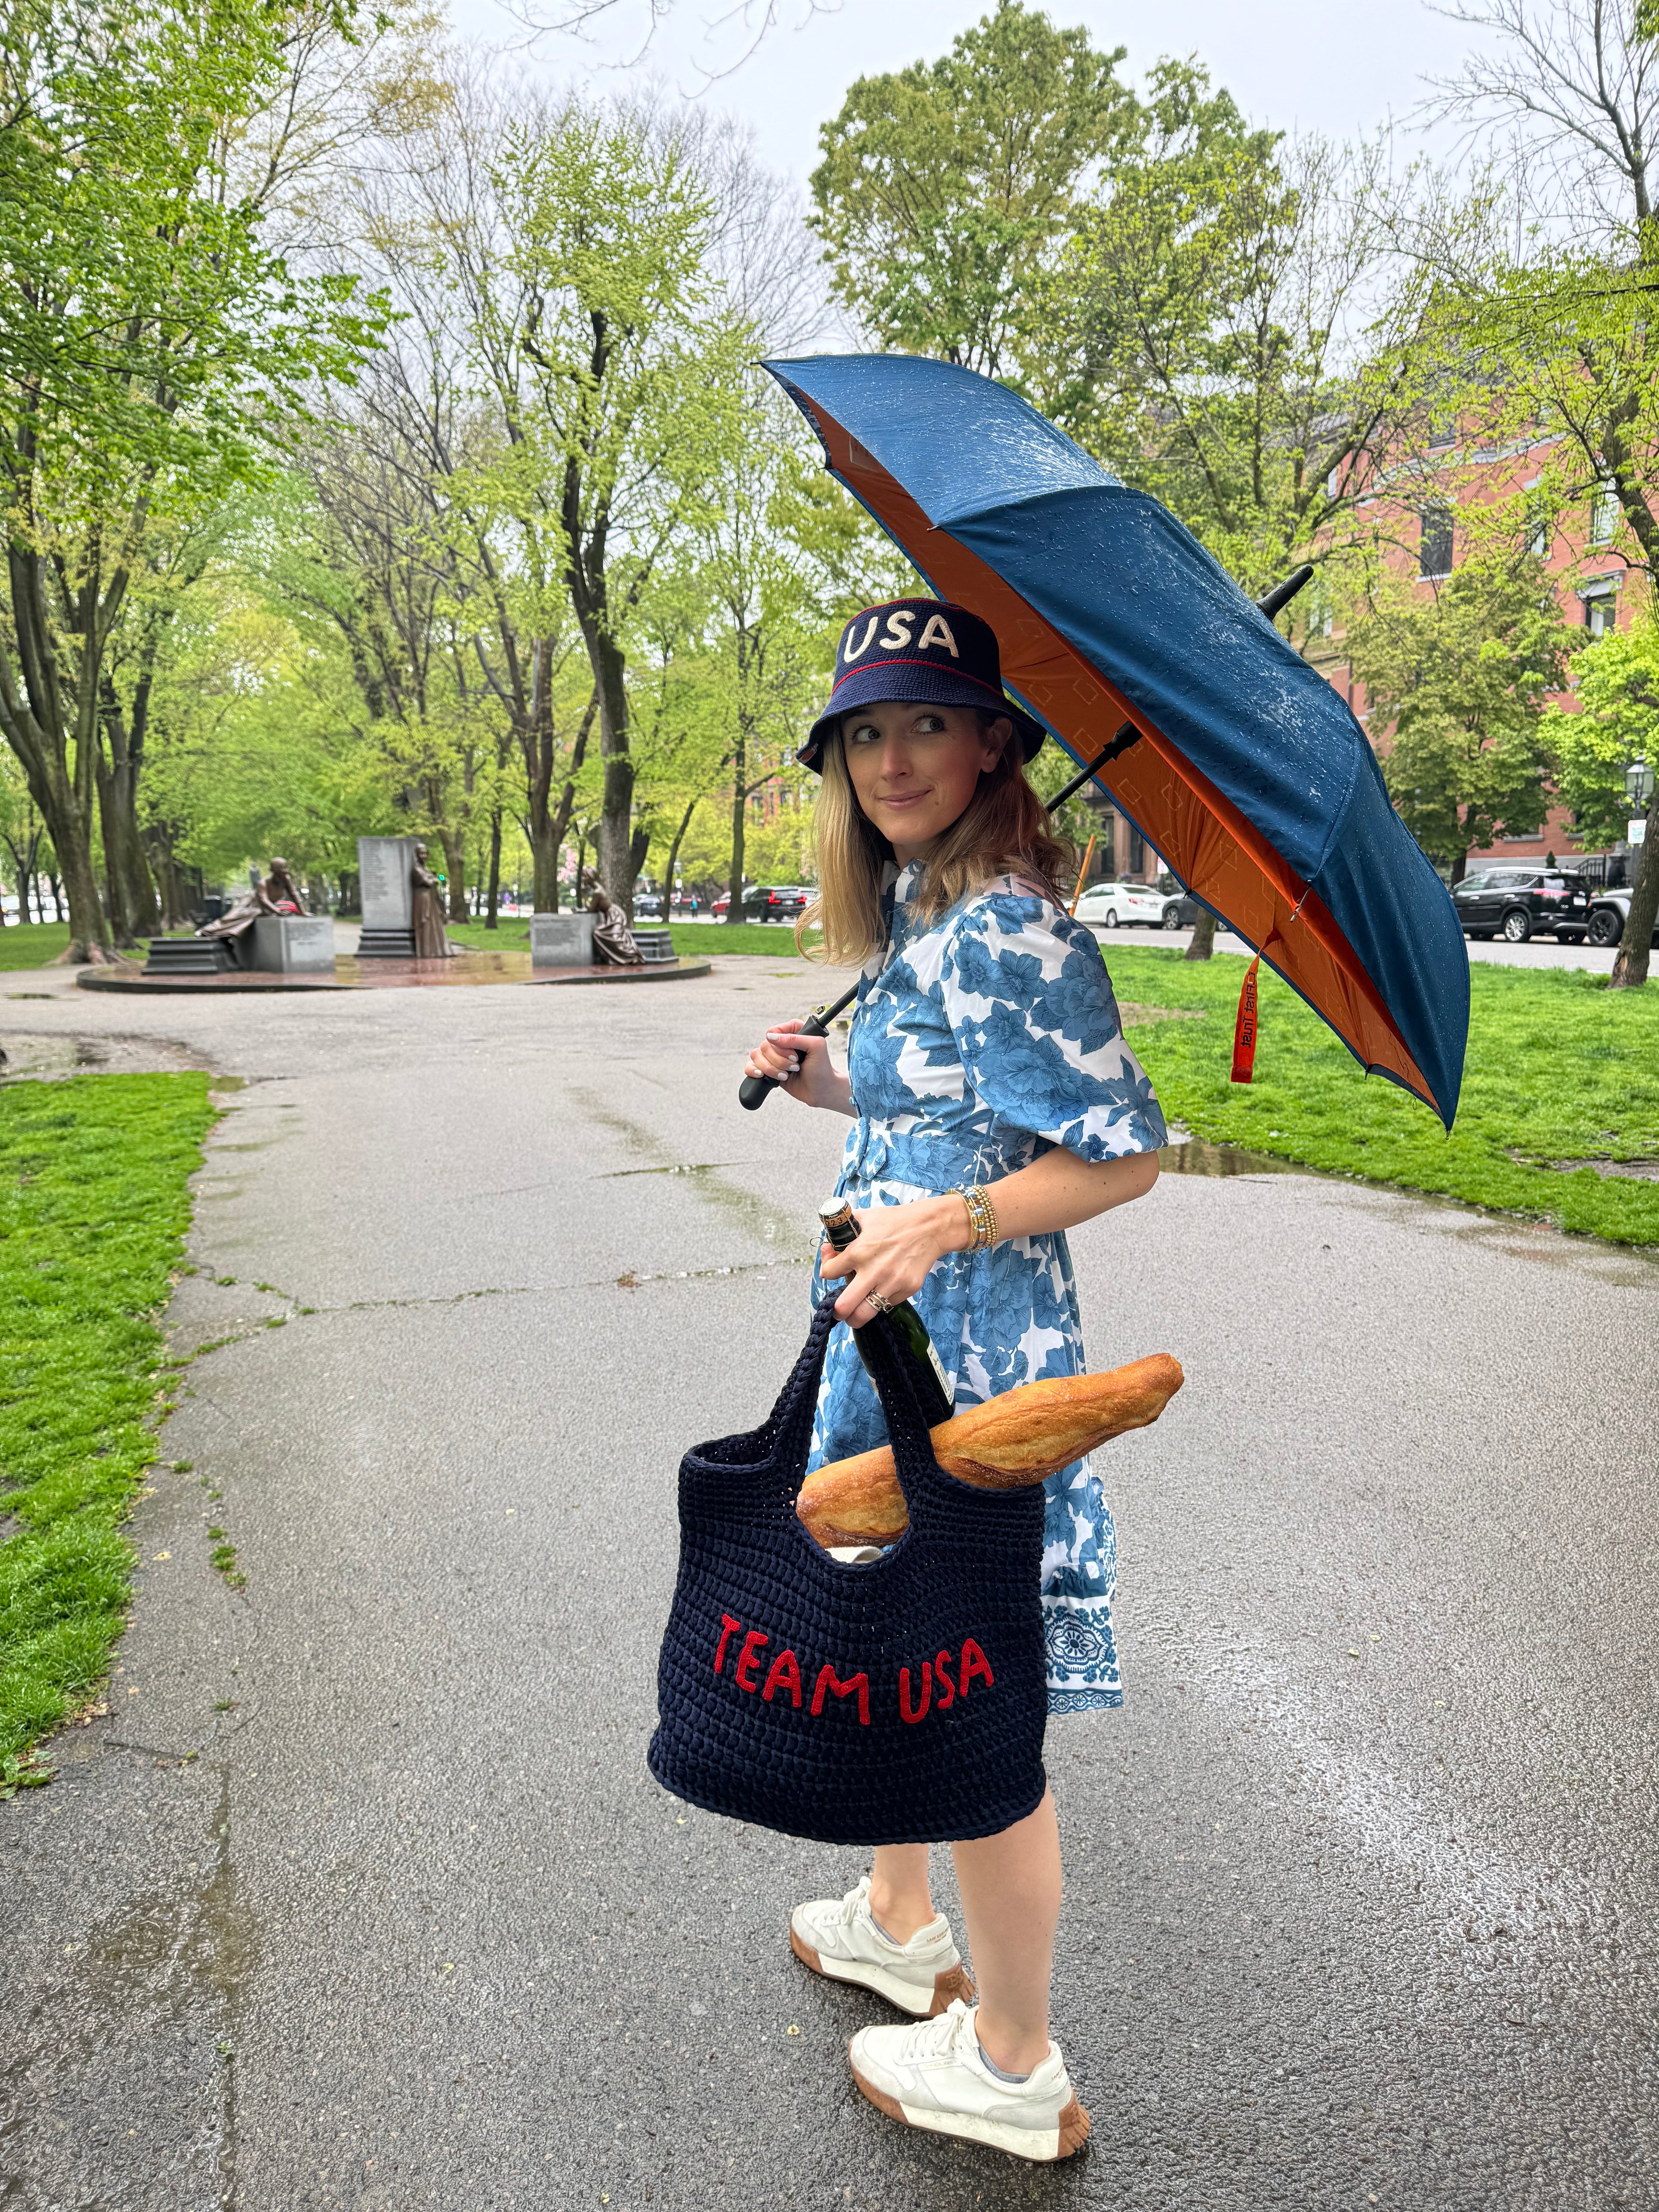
x=282, y=890
x=613, y=941
x=235, y=928
x=427, y=914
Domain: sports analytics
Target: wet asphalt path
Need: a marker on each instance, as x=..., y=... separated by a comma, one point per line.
x=361, y=1894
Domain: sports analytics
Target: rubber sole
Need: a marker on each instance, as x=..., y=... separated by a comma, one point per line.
x=947, y=1987
x=1038, y=2145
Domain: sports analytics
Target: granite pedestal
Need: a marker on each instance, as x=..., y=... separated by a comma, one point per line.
x=294, y=944
x=561, y=940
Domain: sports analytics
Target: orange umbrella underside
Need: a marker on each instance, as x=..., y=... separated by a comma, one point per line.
x=1221, y=857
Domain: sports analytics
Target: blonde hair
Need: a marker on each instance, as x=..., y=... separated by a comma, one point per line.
x=1002, y=831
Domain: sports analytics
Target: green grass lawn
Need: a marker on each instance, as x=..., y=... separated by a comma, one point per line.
x=94, y=1208
x=1560, y=1070
x=32, y=943
x=692, y=940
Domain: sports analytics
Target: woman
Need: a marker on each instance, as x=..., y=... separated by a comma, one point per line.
x=614, y=945
x=427, y=912
x=235, y=928
x=282, y=890
x=995, y=1105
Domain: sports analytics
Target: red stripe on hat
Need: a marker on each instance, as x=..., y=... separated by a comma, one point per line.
x=901, y=660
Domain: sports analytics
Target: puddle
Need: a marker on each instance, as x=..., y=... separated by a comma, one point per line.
x=761, y=1220
x=1193, y=1155
x=48, y=1056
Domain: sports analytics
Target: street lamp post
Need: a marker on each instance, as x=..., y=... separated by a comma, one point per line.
x=1638, y=790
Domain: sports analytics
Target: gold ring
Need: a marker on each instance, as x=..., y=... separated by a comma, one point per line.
x=879, y=1302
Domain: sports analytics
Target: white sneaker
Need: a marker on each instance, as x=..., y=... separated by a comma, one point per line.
x=934, y=2075
x=839, y=1939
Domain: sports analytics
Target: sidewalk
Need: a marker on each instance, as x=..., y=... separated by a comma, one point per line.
x=362, y=1895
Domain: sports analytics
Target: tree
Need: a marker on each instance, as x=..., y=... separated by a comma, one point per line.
x=574, y=244
x=1217, y=330
x=1463, y=676
x=144, y=329
x=1616, y=722
x=1547, y=272
x=772, y=647
x=944, y=189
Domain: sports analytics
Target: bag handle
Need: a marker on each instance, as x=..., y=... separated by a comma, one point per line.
x=789, y=1425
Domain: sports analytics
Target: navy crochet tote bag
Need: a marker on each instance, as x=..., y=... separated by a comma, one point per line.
x=901, y=1702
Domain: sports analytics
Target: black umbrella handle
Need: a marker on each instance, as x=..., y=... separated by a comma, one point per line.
x=755, y=1089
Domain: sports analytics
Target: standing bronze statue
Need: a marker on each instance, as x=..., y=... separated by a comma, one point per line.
x=427, y=913
x=613, y=941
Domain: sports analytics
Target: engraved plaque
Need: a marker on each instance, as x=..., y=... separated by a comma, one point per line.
x=383, y=867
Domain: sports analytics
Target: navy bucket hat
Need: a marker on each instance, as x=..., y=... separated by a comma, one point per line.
x=920, y=650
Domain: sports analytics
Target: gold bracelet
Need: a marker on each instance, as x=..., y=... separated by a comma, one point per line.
x=981, y=1217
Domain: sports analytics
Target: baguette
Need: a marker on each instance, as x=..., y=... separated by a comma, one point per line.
x=1024, y=1436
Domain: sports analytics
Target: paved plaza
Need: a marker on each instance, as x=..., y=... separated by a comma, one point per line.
x=362, y=1896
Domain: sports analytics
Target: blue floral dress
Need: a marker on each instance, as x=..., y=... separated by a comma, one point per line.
x=978, y=1043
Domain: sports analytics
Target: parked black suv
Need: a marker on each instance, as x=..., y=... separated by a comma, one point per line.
x=1519, y=900
x=776, y=902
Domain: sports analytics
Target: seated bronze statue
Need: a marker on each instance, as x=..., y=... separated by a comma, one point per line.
x=613, y=941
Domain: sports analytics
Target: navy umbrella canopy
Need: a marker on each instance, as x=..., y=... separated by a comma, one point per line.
x=1248, y=772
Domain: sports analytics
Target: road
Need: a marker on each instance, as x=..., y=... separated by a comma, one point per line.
x=361, y=1895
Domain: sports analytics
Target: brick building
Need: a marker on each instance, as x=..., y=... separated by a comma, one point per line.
x=1577, y=547
x=1420, y=520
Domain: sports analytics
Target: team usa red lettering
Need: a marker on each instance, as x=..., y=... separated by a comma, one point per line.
x=936, y=1692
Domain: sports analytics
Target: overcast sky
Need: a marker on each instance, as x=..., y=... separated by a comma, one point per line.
x=1342, y=66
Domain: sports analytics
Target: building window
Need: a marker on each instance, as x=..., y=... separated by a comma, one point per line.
x=1604, y=512
x=1137, y=851
x=1602, y=613
x=1435, y=556
x=1443, y=432
x=1540, y=532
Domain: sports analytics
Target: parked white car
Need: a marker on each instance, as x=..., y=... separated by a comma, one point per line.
x=1126, y=906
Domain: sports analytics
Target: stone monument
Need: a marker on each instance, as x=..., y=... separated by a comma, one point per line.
x=386, y=870
x=561, y=940
x=294, y=944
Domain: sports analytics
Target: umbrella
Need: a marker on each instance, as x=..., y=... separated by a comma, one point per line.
x=1241, y=765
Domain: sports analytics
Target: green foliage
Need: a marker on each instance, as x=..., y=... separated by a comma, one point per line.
x=1206, y=326
x=149, y=335
x=143, y=313
x=93, y=1206
x=1201, y=303
x=1560, y=1073
x=1463, y=676
x=1616, y=686
x=1540, y=272
x=944, y=187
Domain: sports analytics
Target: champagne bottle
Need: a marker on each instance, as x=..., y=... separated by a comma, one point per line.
x=903, y=1325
